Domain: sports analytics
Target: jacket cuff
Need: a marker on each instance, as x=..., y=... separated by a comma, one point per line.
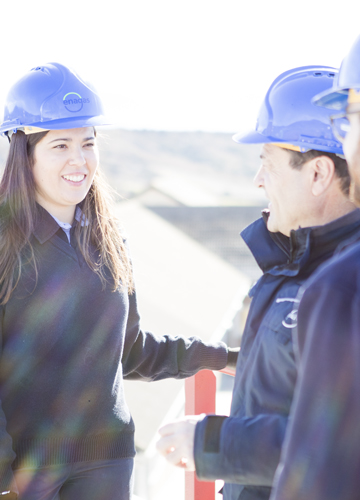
x=216, y=356
x=211, y=356
x=207, y=447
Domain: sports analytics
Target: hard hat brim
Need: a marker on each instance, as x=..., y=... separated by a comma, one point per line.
x=78, y=122
x=254, y=138
x=332, y=99
x=61, y=124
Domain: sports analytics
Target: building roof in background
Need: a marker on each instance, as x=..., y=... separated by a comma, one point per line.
x=217, y=229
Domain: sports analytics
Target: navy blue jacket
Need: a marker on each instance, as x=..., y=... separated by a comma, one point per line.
x=244, y=449
x=66, y=346
x=321, y=455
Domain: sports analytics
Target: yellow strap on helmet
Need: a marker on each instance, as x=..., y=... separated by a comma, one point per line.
x=297, y=148
x=354, y=96
x=33, y=130
x=287, y=146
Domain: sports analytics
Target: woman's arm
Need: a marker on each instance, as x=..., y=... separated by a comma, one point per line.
x=147, y=356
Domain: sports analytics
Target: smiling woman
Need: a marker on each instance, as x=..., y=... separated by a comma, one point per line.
x=70, y=327
x=65, y=163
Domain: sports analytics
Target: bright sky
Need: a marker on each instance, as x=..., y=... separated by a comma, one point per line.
x=177, y=64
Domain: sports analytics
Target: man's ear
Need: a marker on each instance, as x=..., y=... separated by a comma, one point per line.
x=322, y=172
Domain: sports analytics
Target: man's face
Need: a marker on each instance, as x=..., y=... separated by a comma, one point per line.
x=286, y=188
x=352, y=150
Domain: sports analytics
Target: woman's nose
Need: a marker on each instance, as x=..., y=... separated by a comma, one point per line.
x=77, y=158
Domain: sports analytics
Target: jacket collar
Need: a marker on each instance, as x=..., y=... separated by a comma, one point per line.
x=45, y=225
x=279, y=254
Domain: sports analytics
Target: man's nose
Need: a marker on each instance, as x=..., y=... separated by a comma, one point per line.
x=259, y=178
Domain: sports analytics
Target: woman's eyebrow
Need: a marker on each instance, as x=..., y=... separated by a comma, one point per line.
x=91, y=138
x=60, y=139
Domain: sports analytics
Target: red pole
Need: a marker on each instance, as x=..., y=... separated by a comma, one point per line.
x=200, y=391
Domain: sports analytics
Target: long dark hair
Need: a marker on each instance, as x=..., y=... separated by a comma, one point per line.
x=18, y=220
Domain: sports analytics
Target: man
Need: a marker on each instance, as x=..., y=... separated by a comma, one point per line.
x=309, y=214
x=321, y=456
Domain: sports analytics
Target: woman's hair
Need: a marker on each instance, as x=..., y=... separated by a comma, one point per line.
x=18, y=214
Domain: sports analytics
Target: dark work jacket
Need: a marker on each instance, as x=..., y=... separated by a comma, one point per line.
x=321, y=454
x=67, y=344
x=244, y=449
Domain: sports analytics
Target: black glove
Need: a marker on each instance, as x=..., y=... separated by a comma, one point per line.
x=233, y=353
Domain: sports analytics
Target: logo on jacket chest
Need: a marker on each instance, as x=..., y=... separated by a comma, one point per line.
x=290, y=321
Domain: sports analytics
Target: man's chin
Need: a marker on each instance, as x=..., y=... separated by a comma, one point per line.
x=272, y=227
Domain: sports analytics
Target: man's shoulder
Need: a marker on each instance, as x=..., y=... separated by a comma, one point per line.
x=342, y=270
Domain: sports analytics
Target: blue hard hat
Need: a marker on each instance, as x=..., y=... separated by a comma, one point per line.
x=287, y=116
x=51, y=97
x=349, y=78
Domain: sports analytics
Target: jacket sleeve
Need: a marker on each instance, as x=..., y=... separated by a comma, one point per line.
x=239, y=450
x=321, y=455
x=147, y=356
x=7, y=455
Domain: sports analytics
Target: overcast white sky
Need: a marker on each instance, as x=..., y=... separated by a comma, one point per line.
x=177, y=64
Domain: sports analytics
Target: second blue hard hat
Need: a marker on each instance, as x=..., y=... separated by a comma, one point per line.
x=51, y=97
x=287, y=116
x=348, y=81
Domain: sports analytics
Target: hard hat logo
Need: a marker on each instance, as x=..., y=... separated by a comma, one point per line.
x=73, y=102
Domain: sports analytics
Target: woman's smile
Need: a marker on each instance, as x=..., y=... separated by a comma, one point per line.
x=74, y=178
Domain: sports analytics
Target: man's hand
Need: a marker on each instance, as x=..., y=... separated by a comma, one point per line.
x=177, y=441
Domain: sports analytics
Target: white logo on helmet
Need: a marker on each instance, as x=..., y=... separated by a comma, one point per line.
x=73, y=102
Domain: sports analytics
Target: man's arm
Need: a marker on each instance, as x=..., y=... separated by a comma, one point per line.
x=321, y=455
x=237, y=450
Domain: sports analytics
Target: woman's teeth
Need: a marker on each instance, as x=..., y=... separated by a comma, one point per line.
x=74, y=178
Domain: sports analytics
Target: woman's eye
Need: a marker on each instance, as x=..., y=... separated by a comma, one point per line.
x=60, y=146
x=89, y=144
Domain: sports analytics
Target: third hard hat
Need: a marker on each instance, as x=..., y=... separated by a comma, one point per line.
x=348, y=79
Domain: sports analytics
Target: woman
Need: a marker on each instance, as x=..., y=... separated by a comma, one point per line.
x=70, y=325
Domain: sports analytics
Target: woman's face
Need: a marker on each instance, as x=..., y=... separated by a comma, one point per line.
x=65, y=162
